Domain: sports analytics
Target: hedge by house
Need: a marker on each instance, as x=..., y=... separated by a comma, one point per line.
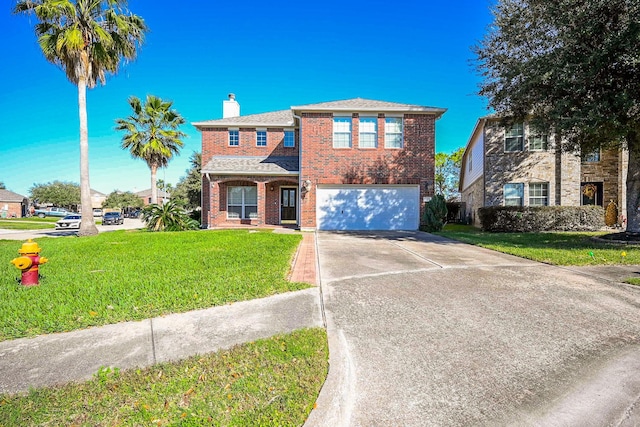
x=520, y=219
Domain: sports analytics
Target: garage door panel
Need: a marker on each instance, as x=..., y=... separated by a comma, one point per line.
x=368, y=208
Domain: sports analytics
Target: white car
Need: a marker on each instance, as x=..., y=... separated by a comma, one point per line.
x=69, y=222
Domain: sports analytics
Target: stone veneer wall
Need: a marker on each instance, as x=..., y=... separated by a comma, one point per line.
x=607, y=171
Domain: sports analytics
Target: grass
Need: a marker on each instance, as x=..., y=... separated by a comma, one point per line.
x=633, y=281
x=271, y=382
x=559, y=248
x=34, y=223
x=132, y=275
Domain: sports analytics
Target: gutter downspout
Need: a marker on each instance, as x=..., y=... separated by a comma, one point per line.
x=299, y=207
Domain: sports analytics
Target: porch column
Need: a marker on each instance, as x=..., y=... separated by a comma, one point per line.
x=262, y=202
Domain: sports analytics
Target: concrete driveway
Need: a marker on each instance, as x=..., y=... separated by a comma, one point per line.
x=424, y=331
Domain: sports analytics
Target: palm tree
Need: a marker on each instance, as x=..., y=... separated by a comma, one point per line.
x=87, y=39
x=152, y=134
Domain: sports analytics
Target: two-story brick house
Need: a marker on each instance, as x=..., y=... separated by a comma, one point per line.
x=356, y=164
x=519, y=166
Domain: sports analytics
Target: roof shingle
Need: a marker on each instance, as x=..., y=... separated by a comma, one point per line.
x=252, y=165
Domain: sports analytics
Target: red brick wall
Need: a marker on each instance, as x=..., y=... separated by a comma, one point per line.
x=268, y=200
x=413, y=164
x=13, y=209
x=215, y=142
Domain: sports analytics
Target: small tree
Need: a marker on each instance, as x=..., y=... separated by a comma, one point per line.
x=435, y=213
x=447, y=176
x=188, y=191
x=611, y=214
x=167, y=217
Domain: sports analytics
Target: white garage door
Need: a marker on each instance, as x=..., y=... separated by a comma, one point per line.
x=368, y=207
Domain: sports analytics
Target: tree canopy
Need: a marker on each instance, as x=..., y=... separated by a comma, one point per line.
x=571, y=67
x=57, y=193
x=152, y=134
x=188, y=191
x=447, y=174
x=121, y=200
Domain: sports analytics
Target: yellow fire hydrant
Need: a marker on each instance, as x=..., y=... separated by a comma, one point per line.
x=29, y=262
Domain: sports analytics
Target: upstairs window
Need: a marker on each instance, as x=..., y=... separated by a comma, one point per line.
x=341, y=132
x=393, y=132
x=539, y=194
x=261, y=138
x=514, y=138
x=538, y=140
x=513, y=194
x=234, y=138
x=591, y=157
x=289, y=138
x=368, y=132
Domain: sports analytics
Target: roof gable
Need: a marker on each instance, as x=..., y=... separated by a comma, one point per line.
x=10, y=196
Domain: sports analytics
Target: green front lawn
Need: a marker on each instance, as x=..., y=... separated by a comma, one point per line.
x=272, y=382
x=27, y=223
x=559, y=248
x=133, y=275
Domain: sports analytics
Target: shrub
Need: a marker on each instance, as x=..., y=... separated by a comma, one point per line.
x=543, y=218
x=167, y=217
x=611, y=214
x=435, y=214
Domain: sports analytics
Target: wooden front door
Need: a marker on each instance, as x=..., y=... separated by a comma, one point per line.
x=288, y=204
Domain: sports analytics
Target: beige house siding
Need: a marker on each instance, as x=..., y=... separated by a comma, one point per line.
x=473, y=196
x=563, y=172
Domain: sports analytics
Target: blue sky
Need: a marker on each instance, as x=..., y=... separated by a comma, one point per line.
x=271, y=54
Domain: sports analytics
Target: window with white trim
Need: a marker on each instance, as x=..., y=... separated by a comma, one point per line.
x=538, y=140
x=234, y=138
x=593, y=156
x=289, y=138
x=368, y=129
x=514, y=138
x=261, y=138
x=393, y=132
x=242, y=202
x=342, y=132
x=539, y=194
x=513, y=194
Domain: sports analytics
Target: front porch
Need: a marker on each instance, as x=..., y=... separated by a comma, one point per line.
x=253, y=202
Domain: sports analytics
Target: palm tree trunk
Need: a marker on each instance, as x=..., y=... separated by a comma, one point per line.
x=154, y=185
x=87, y=224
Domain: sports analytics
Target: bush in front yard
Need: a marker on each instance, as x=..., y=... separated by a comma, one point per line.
x=541, y=218
x=435, y=214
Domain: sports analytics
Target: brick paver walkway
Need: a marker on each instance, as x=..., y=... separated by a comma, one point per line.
x=304, y=267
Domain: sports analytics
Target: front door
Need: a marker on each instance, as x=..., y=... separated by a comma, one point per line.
x=288, y=204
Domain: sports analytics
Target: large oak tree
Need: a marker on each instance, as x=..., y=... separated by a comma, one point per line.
x=571, y=67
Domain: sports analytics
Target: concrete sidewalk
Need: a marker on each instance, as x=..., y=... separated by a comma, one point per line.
x=59, y=358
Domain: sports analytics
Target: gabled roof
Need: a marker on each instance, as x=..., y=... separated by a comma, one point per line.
x=252, y=165
x=282, y=118
x=10, y=196
x=369, y=105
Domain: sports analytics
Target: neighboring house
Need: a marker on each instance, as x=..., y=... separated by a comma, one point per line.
x=518, y=166
x=356, y=164
x=145, y=195
x=97, y=198
x=13, y=205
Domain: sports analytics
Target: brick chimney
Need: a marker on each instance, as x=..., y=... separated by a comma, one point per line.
x=230, y=108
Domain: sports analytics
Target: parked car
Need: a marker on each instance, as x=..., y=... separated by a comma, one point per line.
x=97, y=212
x=54, y=211
x=68, y=222
x=112, y=218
